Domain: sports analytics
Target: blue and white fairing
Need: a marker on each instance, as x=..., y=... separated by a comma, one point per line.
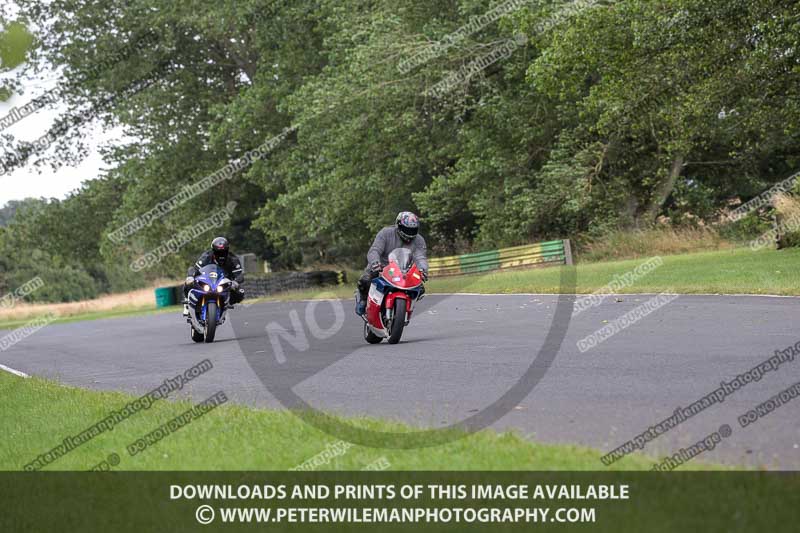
x=210, y=284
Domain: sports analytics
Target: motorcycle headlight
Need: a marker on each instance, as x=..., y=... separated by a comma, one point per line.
x=206, y=288
x=220, y=288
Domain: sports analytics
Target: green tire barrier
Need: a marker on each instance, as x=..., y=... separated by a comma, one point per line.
x=529, y=255
x=165, y=296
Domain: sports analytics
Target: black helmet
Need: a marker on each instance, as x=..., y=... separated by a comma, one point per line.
x=407, y=226
x=219, y=249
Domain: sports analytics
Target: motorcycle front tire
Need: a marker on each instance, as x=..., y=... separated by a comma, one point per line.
x=211, y=321
x=398, y=321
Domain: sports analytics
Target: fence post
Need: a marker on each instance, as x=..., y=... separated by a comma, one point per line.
x=249, y=263
x=567, y=252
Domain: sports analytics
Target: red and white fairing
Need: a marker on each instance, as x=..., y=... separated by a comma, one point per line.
x=399, y=282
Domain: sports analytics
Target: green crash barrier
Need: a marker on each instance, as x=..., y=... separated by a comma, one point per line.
x=165, y=296
x=480, y=262
x=529, y=255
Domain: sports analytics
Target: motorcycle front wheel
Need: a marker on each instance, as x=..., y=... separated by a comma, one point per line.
x=398, y=321
x=211, y=321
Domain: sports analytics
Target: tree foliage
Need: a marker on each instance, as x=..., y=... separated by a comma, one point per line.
x=609, y=115
x=15, y=42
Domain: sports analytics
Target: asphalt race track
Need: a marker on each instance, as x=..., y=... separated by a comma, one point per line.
x=460, y=354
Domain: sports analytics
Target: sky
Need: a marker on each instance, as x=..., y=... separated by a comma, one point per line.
x=31, y=181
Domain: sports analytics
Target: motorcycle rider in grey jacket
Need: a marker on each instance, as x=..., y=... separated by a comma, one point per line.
x=404, y=234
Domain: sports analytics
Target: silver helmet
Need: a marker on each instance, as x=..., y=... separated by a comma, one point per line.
x=407, y=226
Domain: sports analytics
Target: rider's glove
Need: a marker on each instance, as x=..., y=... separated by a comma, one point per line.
x=376, y=266
x=424, y=275
x=189, y=280
x=235, y=285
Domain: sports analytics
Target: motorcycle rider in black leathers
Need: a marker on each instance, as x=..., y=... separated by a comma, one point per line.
x=404, y=234
x=220, y=255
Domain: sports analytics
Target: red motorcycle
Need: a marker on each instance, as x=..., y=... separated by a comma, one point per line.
x=391, y=298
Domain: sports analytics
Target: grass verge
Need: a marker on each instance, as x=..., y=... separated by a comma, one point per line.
x=39, y=414
x=94, y=315
x=737, y=271
x=11, y=322
x=109, y=305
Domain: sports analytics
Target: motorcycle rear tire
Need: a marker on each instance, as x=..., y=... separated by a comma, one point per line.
x=211, y=321
x=398, y=321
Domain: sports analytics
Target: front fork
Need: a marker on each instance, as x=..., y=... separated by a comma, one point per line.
x=390, y=298
x=220, y=303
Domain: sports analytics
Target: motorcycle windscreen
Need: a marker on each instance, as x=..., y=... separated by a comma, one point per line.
x=403, y=258
x=212, y=272
x=208, y=269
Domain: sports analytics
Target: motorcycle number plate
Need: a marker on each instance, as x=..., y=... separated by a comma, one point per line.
x=375, y=295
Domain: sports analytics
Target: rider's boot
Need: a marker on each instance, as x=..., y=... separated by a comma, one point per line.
x=185, y=308
x=361, y=304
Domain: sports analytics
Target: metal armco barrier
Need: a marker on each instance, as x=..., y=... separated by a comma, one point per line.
x=529, y=255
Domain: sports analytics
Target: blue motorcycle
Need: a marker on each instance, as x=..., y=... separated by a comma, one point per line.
x=208, y=300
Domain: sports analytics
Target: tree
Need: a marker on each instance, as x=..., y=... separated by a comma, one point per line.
x=15, y=43
x=597, y=116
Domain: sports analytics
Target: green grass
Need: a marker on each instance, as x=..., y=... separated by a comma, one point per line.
x=124, y=312
x=38, y=414
x=95, y=315
x=738, y=271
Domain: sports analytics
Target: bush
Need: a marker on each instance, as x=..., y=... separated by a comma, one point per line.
x=787, y=213
x=62, y=283
x=647, y=243
x=745, y=229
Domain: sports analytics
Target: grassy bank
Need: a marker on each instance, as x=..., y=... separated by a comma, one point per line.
x=732, y=271
x=666, y=240
x=39, y=414
x=736, y=271
x=95, y=315
x=110, y=305
x=140, y=302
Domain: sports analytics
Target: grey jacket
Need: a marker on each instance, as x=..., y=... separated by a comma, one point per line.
x=387, y=240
